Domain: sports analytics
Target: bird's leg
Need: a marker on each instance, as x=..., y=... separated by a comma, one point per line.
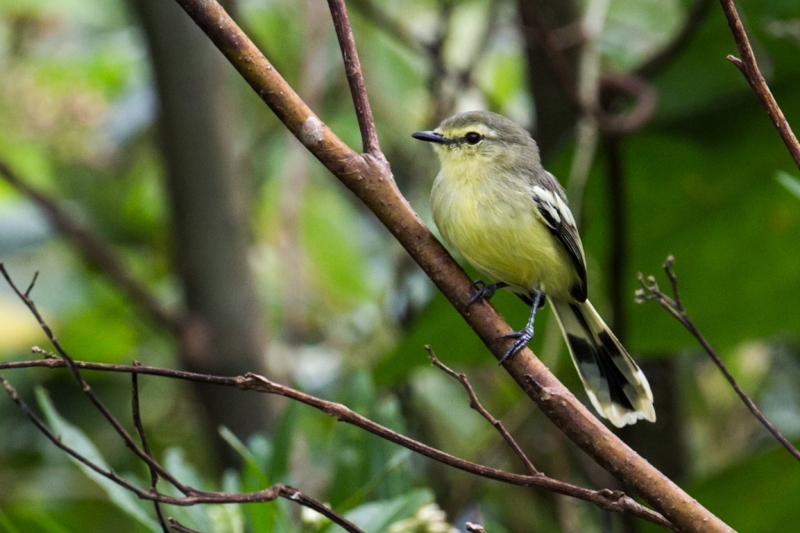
x=524, y=335
x=485, y=290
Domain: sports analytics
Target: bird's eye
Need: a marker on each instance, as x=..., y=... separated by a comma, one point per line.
x=473, y=137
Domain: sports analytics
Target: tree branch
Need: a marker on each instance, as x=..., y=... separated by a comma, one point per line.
x=606, y=499
x=749, y=68
x=370, y=179
x=674, y=306
x=191, y=496
x=137, y=422
x=87, y=390
x=355, y=78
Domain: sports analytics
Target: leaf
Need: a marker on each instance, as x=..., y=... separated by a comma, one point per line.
x=791, y=183
x=757, y=495
x=251, y=466
x=75, y=439
x=375, y=517
x=6, y=525
x=193, y=516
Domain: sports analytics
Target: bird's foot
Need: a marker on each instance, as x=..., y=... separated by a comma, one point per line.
x=523, y=337
x=485, y=291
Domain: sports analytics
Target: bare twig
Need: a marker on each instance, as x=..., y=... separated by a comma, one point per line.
x=476, y=405
x=352, y=67
x=95, y=250
x=137, y=422
x=192, y=496
x=605, y=499
x=372, y=182
x=474, y=528
x=87, y=390
x=749, y=68
x=180, y=528
x=651, y=291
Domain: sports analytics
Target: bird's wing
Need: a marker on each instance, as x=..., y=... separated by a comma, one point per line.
x=553, y=211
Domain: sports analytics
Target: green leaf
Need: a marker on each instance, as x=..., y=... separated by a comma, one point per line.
x=251, y=466
x=375, y=517
x=194, y=516
x=791, y=183
x=75, y=439
x=6, y=524
x=757, y=495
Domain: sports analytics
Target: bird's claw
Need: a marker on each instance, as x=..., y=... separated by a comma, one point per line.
x=485, y=291
x=523, y=337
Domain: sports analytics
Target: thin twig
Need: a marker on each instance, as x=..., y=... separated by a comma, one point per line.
x=95, y=251
x=33, y=282
x=352, y=68
x=474, y=528
x=137, y=422
x=87, y=390
x=748, y=66
x=651, y=291
x=372, y=182
x=476, y=405
x=180, y=528
x=604, y=498
x=193, y=496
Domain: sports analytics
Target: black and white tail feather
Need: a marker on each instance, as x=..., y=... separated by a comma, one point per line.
x=616, y=386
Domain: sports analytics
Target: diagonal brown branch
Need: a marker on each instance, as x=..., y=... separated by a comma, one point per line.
x=370, y=179
x=651, y=291
x=748, y=66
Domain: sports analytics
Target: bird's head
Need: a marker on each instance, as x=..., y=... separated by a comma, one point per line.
x=480, y=136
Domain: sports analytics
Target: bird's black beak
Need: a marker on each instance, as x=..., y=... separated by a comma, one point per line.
x=430, y=136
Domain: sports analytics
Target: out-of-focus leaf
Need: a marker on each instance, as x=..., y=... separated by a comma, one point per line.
x=74, y=438
x=6, y=524
x=226, y=518
x=758, y=495
x=636, y=28
x=250, y=465
x=282, y=442
x=101, y=336
x=701, y=79
x=192, y=516
x=331, y=230
x=791, y=183
x=376, y=517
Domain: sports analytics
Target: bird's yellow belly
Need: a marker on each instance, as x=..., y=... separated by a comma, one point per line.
x=503, y=238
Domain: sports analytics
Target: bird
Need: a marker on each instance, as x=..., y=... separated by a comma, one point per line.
x=496, y=205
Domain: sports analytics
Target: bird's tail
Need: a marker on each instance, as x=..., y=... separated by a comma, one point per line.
x=616, y=386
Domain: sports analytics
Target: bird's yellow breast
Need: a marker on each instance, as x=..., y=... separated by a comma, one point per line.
x=493, y=223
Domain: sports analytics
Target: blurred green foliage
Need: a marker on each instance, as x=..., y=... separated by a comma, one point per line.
x=348, y=314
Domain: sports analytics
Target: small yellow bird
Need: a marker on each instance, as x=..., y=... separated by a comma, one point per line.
x=498, y=207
